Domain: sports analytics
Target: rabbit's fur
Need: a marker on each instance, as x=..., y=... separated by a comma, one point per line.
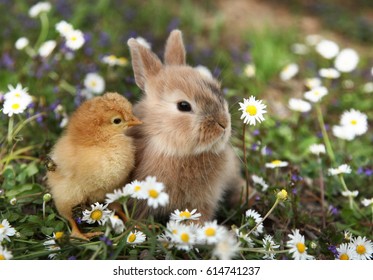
x=189, y=151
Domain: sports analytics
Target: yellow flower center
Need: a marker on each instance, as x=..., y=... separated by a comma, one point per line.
x=251, y=110
x=132, y=238
x=58, y=235
x=344, y=257
x=317, y=93
x=210, y=232
x=184, y=237
x=17, y=94
x=137, y=188
x=174, y=231
x=360, y=249
x=15, y=106
x=354, y=122
x=73, y=38
x=282, y=195
x=2, y=257
x=276, y=162
x=93, y=83
x=301, y=247
x=1, y=226
x=153, y=193
x=185, y=214
x=96, y=215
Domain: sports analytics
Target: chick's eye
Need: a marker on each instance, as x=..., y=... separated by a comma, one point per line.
x=117, y=120
x=184, y=106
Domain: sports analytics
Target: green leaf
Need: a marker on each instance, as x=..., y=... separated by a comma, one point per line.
x=47, y=230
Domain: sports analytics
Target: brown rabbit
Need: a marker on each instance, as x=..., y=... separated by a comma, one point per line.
x=184, y=139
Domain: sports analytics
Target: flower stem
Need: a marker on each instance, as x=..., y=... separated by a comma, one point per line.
x=322, y=193
x=245, y=161
x=324, y=133
x=44, y=30
x=10, y=129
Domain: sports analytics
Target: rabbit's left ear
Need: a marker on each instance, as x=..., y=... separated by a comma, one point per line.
x=175, y=50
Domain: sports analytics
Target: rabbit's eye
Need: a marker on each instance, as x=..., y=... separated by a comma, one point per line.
x=184, y=106
x=116, y=120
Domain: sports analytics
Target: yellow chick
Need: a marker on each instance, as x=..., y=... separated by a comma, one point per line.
x=93, y=157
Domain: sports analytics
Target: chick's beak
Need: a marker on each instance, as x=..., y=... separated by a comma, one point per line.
x=134, y=121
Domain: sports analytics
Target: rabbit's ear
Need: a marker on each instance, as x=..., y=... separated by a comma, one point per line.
x=144, y=62
x=175, y=50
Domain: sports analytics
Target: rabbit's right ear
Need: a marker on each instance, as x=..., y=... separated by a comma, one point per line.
x=144, y=62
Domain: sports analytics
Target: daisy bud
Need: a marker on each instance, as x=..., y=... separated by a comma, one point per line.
x=13, y=201
x=47, y=197
x=282, y=195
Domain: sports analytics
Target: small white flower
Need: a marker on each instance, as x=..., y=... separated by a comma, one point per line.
x=47, y=48
x=64, y=28
x=343, y=132
x=74, y=39
x=368, y=87
x=249, y=70
x=114, y=196
x=299, y=105
x=5, y=254
x=98, y=213
x=297, y=246
x=252, y=110
x=312, y=83
x=204, y=71
x=227, y=248
x=300, y=49
x=94, y=83
x=317, y=149
x=289, y=71
x=329, y=73
x=342, y=169
x=136, y=189
x=252, y=219
x=276, y=163
x=327, y=48
x=143, y=42
x=316, y=94
x=260, y=181
x=51, y=245
x=116, y=223
x=363, y=248
x=350, y=193
x=367, y=202
x=154, y=190
x=183, y=235
x=18, y=93
x=21, y=43
x=244, y=238
x=14, y=106
x=346, y=61
x=185, y=215
x=110, y=60
x=269, y=245
x=348, y=84
x=136, y=237
x=6, y=230
x=39, y=8
x=211, y=233
x=345, y=252
x=356, y=120
x=313, y=39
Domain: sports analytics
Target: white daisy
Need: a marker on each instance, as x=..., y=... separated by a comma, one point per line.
x=64, y=28
x=74, y=39
x=363, y=248
x=345, y=252
x=136, y=189
x=184, y=236
x=211, y=233
x=260, y=181
x=142, y=41
x=18, y=92
x=116, y=195
x=21, y=43
x=110, y=60
x=51, y=245
x=329, y=73
x=116, y=223
x=6, y=230
x=350, y=193
x=312, y=83
x=317, y=149
x=14, y=106
x=122, y=61
x=347, y=60
x=136, y=237
x=367, y=202
x=47, y=48
x=299, y=105
x=327, y=48
x=297, y=246
x=5, y=254
x=348, y=84
x=155, y=194
x=204, y=71
x=226, y=249
x=249, y=70
x=38, y=8
x=165, y=240
x=185, y=215
x=299, y=48
x=94, y=83
x=347, y=235
x=253, y=218
x=244, y=238
x=356, y=120
x=343, y=132
x=368, y=87
x=269, y=245
x=276, y=163
x=314, y=95
x=98, y=213
x=342, y=169
x=252, y=110
x=289, y=71
x=313, y=39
